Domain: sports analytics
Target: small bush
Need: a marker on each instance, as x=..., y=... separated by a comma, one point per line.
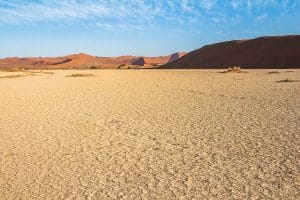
x=45, y=72
x=235, y=69
x=287, y=81
x=13, y=69
x=121, y=66
x=11, y=76
x=40, y=72
x=273, y=72
x=95, y=67
x=79, y=75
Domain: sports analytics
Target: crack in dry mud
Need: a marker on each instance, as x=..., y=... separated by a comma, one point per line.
x=199, y=135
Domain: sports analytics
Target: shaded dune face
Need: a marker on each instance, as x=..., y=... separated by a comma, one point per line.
x=139, y=61
x=155, y=61
x=176, y=56
x=263, y=52
x=64, y=61
x=79, y=61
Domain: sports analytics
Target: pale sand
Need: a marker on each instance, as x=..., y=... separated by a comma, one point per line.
x=150, y=134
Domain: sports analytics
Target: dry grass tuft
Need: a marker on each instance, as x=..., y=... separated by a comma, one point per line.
x=79, y=75
x=274, y=72
x=13, y=69
x=287, y=81
x=235, y=69
x=95, y=67
x=122, y=66
x=40, y=72
x=12, y=76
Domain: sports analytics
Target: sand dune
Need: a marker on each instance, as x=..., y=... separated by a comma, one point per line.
x=149, y=134
x=263, y=52
x=83, y=61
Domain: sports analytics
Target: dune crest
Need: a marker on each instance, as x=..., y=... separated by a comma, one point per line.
x=83, y=61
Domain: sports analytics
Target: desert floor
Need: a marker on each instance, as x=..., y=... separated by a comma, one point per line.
x=150, y=134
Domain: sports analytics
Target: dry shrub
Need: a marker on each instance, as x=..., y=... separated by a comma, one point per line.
x=287, y=80
x=13, y=69
x=121, y=66
x=47, y=72
x=124, y=66
x=40, y=72
x=96, y=67
x=235, y=69
x=79, y=75
x=11, y=76
x=273, y=72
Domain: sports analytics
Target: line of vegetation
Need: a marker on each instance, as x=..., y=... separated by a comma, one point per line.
x=287, y=80
x=12, y=76
x=79, y=75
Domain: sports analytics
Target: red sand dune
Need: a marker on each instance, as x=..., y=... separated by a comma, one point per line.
x=262, y=52
x=176, y=56
x=82, y=61
x=157, y=61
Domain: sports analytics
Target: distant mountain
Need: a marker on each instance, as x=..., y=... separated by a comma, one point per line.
x=83, y=61
x=262, y=52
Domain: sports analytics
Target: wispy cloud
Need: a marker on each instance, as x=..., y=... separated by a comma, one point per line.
x=185, y=6
x=136, y=14
x=235, y=4
x=15, y=11
x=114, y=14
x=208, y=4
x=119, y=27
x=261, y=17
x=253, y=4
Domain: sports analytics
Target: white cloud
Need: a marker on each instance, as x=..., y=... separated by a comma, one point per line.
x=108, y=15
x=252, y=4
x=185, y=5
x=235, y=4
x=128, y=13
x=119, y=27
x=50, y=10
x=261, y=17
x=208, y=4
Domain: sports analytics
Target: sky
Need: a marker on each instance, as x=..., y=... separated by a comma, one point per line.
x=137, y=27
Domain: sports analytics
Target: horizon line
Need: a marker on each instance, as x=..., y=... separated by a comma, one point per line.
x=162, y=55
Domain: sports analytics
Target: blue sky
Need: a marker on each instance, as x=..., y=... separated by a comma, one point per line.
x=137, y=27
